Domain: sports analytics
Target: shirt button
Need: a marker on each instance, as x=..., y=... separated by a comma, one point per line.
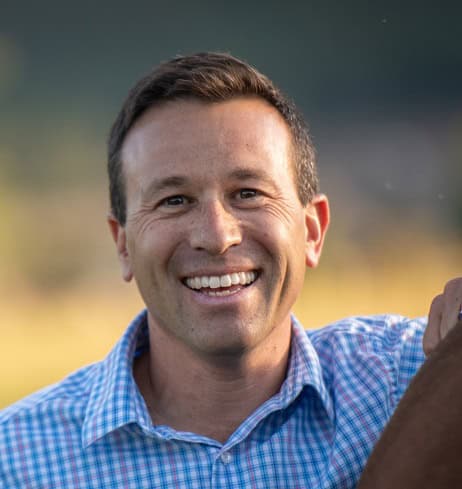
x=226, y=457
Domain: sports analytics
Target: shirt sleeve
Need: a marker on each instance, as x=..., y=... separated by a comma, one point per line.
x=406, y=336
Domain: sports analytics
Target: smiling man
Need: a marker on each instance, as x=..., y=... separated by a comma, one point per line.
x=216, y=213
x=217, y=240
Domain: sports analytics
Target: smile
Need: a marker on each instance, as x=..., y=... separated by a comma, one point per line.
x=219, y=285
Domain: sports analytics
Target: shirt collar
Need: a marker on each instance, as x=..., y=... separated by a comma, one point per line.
x=115, y=400
x=304, y=371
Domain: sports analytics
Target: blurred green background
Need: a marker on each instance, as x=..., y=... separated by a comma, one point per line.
x=379, y=82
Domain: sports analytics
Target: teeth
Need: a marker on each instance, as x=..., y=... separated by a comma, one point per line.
x=225, y=281
x=215, y=282
x=217, y=293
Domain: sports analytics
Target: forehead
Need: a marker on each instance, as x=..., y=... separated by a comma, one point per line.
x=193, y=135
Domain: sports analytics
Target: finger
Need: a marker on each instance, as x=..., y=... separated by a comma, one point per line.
x=432, y=335
x=452, y=303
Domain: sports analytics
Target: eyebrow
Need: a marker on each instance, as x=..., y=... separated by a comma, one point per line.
x=175, y=181
x=251, y=174
x=164, y=183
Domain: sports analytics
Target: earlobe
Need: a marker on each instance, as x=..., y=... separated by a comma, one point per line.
x=120, y=239
x=317, y=218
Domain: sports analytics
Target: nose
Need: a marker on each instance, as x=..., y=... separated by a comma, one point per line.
x=214, y=229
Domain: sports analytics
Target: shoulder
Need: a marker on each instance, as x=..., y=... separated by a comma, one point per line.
x=42, y=429
x=381, y=352
x=381, y=334
x=65, y=398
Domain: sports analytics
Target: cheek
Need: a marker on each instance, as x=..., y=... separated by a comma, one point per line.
x=284, y=234
x=150, y=246
x=285, y=257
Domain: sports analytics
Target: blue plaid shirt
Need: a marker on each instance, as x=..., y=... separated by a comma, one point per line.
x=93, y=430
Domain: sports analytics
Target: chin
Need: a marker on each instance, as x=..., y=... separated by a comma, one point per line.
x=226, y=345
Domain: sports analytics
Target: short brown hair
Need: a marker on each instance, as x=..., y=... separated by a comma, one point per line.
x=210, y=77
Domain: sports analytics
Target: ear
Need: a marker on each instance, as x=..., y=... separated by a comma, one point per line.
x=120, y=239
x=317, y=218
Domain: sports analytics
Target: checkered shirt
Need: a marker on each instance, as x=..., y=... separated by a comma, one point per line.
x=93, y=430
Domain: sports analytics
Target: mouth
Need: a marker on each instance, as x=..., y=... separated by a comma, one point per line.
x=221, y=285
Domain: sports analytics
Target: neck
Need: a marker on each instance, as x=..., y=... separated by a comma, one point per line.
x=209, y=396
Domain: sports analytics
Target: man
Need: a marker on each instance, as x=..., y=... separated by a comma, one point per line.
x=215, y=212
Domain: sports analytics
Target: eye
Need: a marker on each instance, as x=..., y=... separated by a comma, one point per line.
x=174, y=201
x=247, y=193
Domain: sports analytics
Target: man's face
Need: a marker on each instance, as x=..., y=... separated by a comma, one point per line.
x=216, y=237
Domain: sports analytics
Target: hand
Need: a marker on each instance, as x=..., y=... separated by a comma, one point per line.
x=444, y=314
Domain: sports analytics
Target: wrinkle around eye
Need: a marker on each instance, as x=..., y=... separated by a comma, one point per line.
x=283, y=209
x=140, y=218
x=144, y=216
x=143, y=221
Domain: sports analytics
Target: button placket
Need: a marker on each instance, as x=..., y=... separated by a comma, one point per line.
x=226, y=457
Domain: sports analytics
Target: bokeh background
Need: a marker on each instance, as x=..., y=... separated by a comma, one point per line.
x=379, y=82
